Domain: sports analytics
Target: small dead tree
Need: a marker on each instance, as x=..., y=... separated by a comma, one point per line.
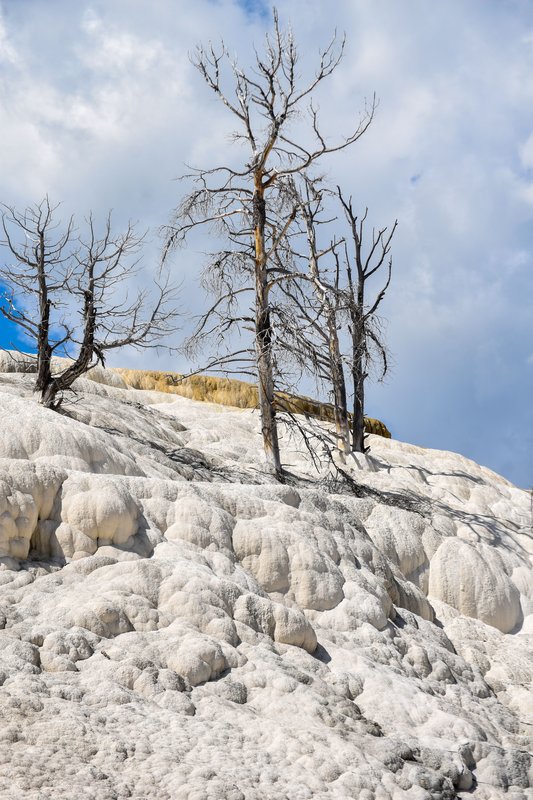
x=251, y=206
x=55, y=273
x=39, y=273
x=361, y=263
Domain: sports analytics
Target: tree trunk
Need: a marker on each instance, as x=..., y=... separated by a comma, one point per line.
x=263, y=336
x=49, y=394
x=44, y=350
x=81, y=365
x=336, y=369
x=358, y=375
x=339, y=389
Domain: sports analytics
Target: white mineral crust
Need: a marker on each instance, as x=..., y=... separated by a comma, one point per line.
x=174, y=626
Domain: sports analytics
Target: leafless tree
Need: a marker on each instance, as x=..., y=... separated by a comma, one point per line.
x=55, y=274
x=362, y=262
x=326, y=288
x=328, y=327
x=252, y=206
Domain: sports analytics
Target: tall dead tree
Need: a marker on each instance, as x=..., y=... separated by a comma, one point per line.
x=67, y=293
x=326, y=289
x=362, y=261
x=251, y=206
x=328, y=326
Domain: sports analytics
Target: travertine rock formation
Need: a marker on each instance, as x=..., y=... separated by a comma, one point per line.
x=174, y=626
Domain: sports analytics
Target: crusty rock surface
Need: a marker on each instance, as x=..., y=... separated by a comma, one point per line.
x=174, y=626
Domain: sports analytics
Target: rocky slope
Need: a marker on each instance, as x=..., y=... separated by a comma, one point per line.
x=174, y=626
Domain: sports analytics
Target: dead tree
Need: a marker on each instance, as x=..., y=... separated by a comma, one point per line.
x=56, y=274
x=39, y=274
x=327, y=296
x=251, y=205
x=362, y=262
x=309, y=321
x=327, y=325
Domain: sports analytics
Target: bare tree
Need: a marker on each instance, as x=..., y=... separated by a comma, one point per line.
x=252, y=207
x=328, y=298
x=309, y=319
x=40, y=271
x=361, y=264
x=52, y=269
x=327, y=323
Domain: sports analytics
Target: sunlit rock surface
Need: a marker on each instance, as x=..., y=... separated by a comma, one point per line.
x=175, y=626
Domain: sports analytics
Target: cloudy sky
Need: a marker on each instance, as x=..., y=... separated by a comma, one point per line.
x=100, y=108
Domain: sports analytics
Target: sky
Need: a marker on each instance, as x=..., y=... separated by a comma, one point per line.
x=101, y=108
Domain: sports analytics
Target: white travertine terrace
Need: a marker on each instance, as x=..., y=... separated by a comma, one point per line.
x=175, y=626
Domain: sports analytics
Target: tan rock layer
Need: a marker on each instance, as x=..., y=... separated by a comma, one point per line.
x=232, y=392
